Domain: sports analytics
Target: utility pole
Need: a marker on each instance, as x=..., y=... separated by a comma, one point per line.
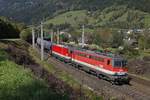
x=42, y=45
x=83, y=36
x=52, y=37
x=57, y=36
x=33, y=37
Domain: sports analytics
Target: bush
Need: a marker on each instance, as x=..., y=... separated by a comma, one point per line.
x=8, y=30
x=26, y=35
x=129, y=52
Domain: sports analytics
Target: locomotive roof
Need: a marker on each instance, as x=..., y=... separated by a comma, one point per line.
x=101, y=54
x=96, y=53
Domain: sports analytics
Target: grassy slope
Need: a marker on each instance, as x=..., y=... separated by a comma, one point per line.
x=17, y=83
x=147, y=20
x=75, y=17
x=72, y=17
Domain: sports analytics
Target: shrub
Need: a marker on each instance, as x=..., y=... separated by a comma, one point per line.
x=8, y=30
x=26, y=35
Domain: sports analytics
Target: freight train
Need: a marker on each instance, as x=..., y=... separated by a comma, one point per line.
x=104, y=65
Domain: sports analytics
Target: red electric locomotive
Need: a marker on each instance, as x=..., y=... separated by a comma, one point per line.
x=105, y=66
x=61, y=52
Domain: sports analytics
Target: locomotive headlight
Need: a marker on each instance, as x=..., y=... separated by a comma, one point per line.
x=120, y=73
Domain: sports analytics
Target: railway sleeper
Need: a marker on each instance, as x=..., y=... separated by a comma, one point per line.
x=120, y=81
x=73, y=64
x=80, y=67
x=93, y=72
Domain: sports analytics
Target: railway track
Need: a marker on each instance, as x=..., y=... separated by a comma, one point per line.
x=122, y=92
x=139, y=80
x=135, y=91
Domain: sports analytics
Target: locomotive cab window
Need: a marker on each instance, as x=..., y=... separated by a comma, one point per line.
x=70, y=51
x=120, y=63
x=108, y=62
x=90, y=56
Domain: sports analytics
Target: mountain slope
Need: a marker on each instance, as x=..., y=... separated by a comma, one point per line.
x=115, y=17
x=34, y=10
x=25, y=10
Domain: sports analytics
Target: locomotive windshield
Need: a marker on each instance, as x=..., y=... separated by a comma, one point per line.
x=120, y=63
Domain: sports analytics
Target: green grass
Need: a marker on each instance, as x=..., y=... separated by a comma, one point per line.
x=72, y=17
x=17, y=83
x=147, y=20
x=123, y=18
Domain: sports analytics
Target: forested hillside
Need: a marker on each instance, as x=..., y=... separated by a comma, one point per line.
x=34, y=10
